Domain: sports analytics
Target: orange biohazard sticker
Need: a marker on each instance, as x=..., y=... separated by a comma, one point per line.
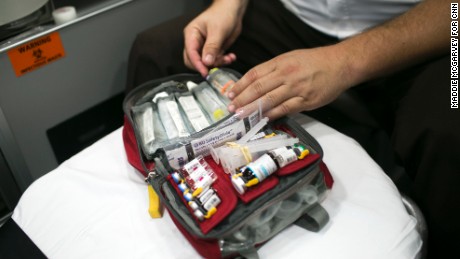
x=36, y=53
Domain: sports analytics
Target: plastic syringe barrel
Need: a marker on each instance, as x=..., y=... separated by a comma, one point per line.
x=253, y=131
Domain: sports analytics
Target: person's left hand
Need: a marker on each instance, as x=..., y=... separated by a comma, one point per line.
x=295, y=81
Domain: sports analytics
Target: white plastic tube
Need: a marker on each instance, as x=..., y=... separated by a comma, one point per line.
x=251, y=133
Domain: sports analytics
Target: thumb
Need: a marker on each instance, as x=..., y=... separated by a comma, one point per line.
x=212, y=48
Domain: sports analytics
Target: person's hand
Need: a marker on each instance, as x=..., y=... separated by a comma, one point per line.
x=209, y=35
x=295, y=81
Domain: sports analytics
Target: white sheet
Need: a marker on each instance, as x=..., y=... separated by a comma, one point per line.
x=95, y=206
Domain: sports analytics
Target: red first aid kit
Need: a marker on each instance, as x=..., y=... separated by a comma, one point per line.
x=230, y=184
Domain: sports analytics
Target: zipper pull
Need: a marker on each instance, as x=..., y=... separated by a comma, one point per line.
x=150, y=176
x=156, y=209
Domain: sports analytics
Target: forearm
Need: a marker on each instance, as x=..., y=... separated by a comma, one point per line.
x=418, y=35
x=236, y=6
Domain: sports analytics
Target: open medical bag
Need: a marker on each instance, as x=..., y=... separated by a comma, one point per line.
x=243, y=218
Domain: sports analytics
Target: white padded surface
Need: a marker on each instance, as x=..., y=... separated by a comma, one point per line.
x=94, y=205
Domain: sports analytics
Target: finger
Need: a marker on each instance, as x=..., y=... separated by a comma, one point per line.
x=268, y=101
x=193, y=46
x=212, y=47
x=250, y=77
x=187, y=61
x=289, y=106
x=262, y=87
x=200, y=67
x=224, y=60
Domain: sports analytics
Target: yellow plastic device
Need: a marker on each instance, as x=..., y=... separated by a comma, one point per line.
x=156, y=209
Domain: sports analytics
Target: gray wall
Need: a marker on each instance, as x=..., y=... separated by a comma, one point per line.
x=93, y=70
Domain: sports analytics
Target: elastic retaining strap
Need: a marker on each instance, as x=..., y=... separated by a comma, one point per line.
x=314, y=219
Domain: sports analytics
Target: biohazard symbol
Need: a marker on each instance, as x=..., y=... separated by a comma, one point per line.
x=37, y=53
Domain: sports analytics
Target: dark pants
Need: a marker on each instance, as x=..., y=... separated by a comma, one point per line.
x=410, y=108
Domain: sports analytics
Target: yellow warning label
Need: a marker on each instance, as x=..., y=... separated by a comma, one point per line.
x=36, y=53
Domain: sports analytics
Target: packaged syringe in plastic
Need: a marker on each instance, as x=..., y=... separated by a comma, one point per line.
x=193, y=111
x=147, y=119
x=171, y=118
x=214, y=105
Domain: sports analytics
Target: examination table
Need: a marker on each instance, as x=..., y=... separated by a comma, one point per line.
x=94, y=205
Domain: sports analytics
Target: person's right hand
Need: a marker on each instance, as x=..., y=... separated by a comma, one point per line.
x=208, y=36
